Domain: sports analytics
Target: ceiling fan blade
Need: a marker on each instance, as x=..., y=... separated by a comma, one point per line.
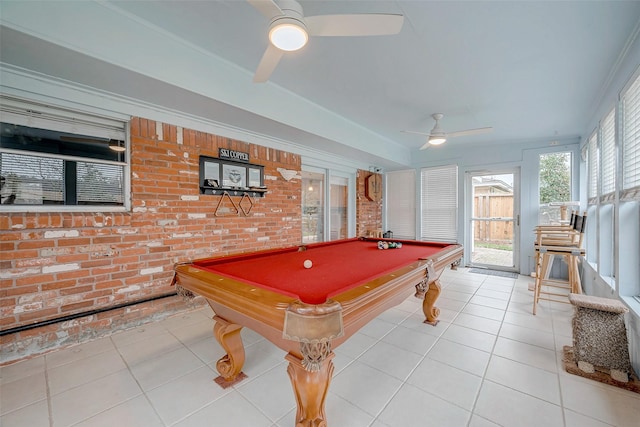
x=417, y=133
x=354, y=25
x=268, y=63
x=426, y=145
x=267, y=7
x=467, y=132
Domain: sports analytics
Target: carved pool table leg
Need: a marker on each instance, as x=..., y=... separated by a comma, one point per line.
x=310, y=389
x=230, y=365
x=430, y=293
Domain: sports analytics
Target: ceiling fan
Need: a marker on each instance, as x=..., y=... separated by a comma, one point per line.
x=438, y=136
x=289, y=29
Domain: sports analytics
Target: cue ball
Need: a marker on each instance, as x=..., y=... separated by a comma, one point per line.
x=308, y=264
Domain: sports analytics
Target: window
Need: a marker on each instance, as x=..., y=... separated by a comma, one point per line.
x=631, y=141
x=555, y=187
x=55, y=157
x=608, y=156
x=594, y=166
x=401, y=203
x=439, y=203
x=629, y=207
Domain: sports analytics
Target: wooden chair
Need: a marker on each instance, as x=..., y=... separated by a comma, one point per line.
x=552, y=242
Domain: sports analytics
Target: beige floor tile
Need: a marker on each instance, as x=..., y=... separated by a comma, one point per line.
x=528, y=336
x=78, y=352
x=525, y=378
x=156, y=371
x=412, y=406
x=470, y=337
x=88, y=400
x=133, y=412
x=508, y=407
x=34, y=415
x=22, y=392
x=526, y=353
x=64, y=377
x=391, y=359
x=22, y=369
x=232, y=409
x=478, y=323
x=460, y=356
x=448, y=383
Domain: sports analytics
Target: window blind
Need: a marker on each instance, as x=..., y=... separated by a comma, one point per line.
x=401, y=203
x=439, y=203
x=631, y=139
x=42, y=116
x=608, y=148
x=593, y=166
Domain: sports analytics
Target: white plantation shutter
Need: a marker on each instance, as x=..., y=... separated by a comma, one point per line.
x=440, y=203
x=608, y=149
x=401, y=203
x=631, y=140
x=593, y=165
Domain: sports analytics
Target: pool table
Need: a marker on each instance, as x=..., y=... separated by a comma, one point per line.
x=308, y=312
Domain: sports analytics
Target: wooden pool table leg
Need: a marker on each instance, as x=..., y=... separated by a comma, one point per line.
x=428, y=304
x=310, y=389
x=230, y=365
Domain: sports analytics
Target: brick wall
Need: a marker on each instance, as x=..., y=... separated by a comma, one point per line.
x=58, y=264
x=369, y=213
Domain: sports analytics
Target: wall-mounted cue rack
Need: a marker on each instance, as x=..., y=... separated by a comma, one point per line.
x=230, y=175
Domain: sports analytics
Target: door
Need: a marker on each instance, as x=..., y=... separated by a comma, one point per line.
x=492, y=237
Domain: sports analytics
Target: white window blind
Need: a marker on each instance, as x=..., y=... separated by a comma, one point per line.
x=439, y=203
x=608, y=149
x=631, y=138
x=401, y=203
x=593, y=165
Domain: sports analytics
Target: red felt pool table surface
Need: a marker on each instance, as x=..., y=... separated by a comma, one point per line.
x=337, y=266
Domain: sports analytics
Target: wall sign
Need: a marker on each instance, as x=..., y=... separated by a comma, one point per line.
x=236, y=156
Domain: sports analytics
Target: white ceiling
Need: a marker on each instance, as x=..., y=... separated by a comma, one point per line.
x=531, y=70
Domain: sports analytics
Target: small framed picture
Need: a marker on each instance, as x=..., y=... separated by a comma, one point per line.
x=234, y=176
x=254, y=177
x=211, y=183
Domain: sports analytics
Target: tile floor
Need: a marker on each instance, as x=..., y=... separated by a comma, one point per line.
x=489, y=362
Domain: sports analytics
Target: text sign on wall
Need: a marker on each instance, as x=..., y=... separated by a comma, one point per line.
x=238, y=156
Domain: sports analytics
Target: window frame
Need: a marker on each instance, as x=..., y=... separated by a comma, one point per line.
x=37, y=115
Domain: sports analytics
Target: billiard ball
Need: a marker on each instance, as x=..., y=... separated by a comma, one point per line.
x=308, y=263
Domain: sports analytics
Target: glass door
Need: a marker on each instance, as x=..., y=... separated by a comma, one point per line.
x=492, y=239
x=312, y=207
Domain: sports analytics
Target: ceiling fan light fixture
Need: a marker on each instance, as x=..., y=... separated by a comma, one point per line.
x=116, y=146
x=288, y=34
x=437, y=139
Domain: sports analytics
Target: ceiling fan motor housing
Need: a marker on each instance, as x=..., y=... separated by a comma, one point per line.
x=289, y=32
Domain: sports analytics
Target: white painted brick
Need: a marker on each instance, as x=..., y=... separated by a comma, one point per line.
x=165, y=222
x=151, y=270
x=127, y=231
x=196, y=216
x=159, y=131
x=130, y=288
x=56, y=234
x=179, y=135
x=141, y=209
x=7, y=274
x=180, y=235
x=190, y=198
x=61, y=267
x=263, y=239
x=171, y=153
x=251, y=230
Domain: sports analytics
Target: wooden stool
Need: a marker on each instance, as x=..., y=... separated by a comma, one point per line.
x=600, y=336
